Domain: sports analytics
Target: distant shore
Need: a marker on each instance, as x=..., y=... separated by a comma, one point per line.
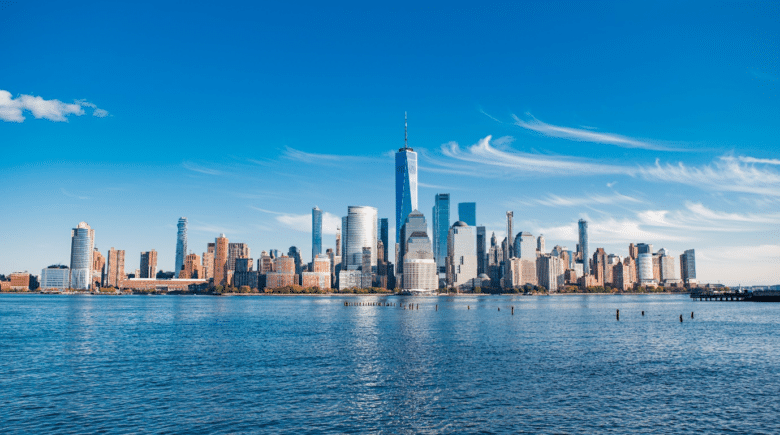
x=342, y=294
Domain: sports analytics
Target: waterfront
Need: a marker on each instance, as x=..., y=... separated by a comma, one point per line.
x=199, y=364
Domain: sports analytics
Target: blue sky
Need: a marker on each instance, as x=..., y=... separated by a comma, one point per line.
x=657, y=122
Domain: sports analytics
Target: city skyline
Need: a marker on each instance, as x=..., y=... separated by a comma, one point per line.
x=653, y=138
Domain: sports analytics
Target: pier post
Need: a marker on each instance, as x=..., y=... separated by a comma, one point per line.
x=617, y=315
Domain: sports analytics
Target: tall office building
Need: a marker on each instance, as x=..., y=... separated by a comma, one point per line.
x=644, y=268
x=583, y=246
x=467, y=212
x=54, y=277
x=415, y=222
x=441, y=228
x=688, y=266
x=644, y=248
x=508, y=249
x=540, y=244
x=220, y=260
x=383, y=236
x=405, y=183
x=525, y=246
x=358, y=232
x=316, y=232
x=181, y=245
x=419, y=267
x=481, y=250
x=295, y=254
x=81, y=246
x=116, y=268
x=461, y=256
x=149, y=264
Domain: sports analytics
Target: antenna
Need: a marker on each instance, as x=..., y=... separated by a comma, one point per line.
x=406, y=135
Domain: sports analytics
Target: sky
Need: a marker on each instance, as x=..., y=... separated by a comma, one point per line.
x=658, y=122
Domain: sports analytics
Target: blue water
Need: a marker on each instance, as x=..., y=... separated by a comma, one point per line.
x=199, y=364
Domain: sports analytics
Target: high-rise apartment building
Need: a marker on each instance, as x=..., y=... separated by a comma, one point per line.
x=467, y=212
x=81, y=248
x=461, y=257
x=338, y=241
x=316, y=232
x=405, y=183
x=149, y=264
x=644, y=266
x=441, y=228
x=359, y=229
x=192, y=268
x=550, y=270
x=181, y=245
x=295, y=254
x=688, y=267
x=221, y=260
x=584, y=254
x=540, y=244
x=235, y=251
x=98, y=268
x=509, y=249
x=115, y=273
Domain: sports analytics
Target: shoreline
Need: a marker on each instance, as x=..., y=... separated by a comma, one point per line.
x=345, y=294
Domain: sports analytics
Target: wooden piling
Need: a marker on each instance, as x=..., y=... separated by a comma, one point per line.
x=437, y=307
x=680, y=318
x=513, y=311
x=643, y=313
x=691, y=314
x=617, y=315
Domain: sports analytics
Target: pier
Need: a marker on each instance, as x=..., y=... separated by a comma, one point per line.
x=754, y=296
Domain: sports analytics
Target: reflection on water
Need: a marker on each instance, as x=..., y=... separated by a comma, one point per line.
x=311, y=365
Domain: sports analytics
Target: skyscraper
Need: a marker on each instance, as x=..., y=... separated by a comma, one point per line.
x=116, y=268
x=419, y=267
x=181, y=245
x=236, y=251
x=316, y=232
x=583, y=246
x=81, y=247
x=481, y=250
x=359, y=231
x=149, y=264
x=441, y=227
x=461, y=256
x=220, y=260
x=405, y=183
x=467, y=212
x=508, y=249
x=540, y=244
x=688, y=266
x=525, y=246
x=415, y=222
x=383, y=235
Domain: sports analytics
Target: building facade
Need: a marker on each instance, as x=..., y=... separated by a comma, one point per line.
x=441, y=228
x=405, y=183
x=115, y=270
x=316, y=232
x=181, y=245
x=54, y=277
x=584, y=253
x=221, y=260
x=688, y=267
x=359, y=230
x=81, y=248
x=148, y=267
x=525, y=246
x=461, y=257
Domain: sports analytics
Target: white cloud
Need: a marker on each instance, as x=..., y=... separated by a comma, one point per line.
x=197, y=168
x=762, y=161
x=726, y=174
x=616, y=198
x=302, y=222
x=583, y=135
x=12, y=109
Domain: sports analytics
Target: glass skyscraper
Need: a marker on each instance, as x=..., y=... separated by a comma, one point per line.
x=316, y=233
x=441, y=227
x=414, y=223
x=359, y=230
x=81, y=247
x=467, y=212
x=583, y=226
x=688, y=266
x=382, y=226
x=405, y=184
x=181, y=245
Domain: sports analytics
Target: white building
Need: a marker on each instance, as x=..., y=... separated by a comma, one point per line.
x=81, y=248
x=419, y=275
x=55, y=278
x=461, y=256
x=551, y=272
x=525, y=246
x=644, y=270
x=359, y=230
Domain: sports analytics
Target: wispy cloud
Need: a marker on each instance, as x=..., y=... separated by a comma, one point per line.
x=71, y=195
x=197, y=168
x=762, y=161
x=577, y=201
x=302, y=222
x=100, y=113
x=209, y=228
x=587, y=135
x=303, y=156
x=725, y=174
